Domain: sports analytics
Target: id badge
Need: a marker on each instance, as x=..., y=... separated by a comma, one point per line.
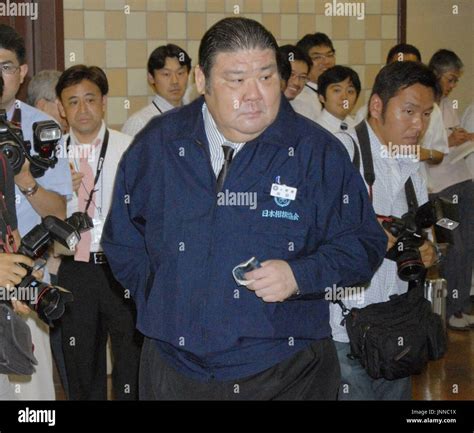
x=96, y=232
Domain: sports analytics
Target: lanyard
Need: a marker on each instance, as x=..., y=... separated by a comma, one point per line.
x=158, y=108
x=100, y=165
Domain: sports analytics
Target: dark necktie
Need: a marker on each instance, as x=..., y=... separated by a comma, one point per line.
x=344, y=126
x=228, y=152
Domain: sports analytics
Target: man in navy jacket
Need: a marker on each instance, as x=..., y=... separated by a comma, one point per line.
x=206, y=187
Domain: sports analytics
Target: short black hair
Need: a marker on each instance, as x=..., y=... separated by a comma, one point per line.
x=397, y=76
x=314, y=39
x=285, y=66
x=234, y=34
x=443, y=61
x=404, y=49
x=11, y=40
x=158, y=57
x=336, y=74
x=78, y=73
x=292, y=53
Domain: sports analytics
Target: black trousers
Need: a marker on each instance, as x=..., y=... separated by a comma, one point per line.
x=100, y=308
x=311, y=374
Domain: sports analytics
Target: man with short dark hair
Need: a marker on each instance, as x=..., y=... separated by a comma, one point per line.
x=399, y=112
x=35, y=199
x=168, y=72
x=300, y=64
x=212, y=185
x=101, y=306
x=320, y=49
x=338, y=89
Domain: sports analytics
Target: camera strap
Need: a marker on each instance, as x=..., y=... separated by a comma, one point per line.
x=100, y=165
x=7, y=242
x=368, y=164
x=16, y=118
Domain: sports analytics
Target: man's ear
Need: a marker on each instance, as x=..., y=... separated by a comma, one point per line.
x=104, y=103
x=200, y=80
x=61, y=110
x=23, y=72
x=40, y=104
x=376, y=107
x=151, y=79
x=322, y=99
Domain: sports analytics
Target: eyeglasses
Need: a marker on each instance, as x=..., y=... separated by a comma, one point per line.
x=320, y=57
x=302, y=77
x=9, y=69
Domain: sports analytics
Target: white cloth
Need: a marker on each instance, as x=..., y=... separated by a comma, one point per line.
x=307, y=102
x=139, y=119
x=467, y=122
x=118, y=144
x=388, y=199
x=446, y=174
x=332, y=123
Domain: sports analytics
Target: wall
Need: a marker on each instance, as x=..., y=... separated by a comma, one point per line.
x=431, y=25
x=118, y=36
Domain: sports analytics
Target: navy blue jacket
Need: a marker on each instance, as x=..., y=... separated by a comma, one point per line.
x=171, y=244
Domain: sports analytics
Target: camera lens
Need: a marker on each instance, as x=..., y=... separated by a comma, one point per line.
x=50, y=302
x=410, y=266
x=14, y=156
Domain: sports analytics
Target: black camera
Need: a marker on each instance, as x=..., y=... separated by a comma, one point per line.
x=410, y=233
x=49, y=301
x=46, y=136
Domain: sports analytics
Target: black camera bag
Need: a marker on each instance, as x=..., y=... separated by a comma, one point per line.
x=395, y=339
x=16, y=347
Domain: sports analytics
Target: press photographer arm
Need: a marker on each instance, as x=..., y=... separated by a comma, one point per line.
x=44, y=202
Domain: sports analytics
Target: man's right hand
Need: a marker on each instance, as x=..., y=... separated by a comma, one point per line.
x=11, y=273
x=76, y=179
x=392, y=240
x=458, y=137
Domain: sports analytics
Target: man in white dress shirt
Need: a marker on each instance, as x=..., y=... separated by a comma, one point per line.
x=101, y=306
x=338, y=88
x=400, y=105
x=168, y=71
x=320, y=49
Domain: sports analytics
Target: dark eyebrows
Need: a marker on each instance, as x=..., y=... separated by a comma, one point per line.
x=270, y=67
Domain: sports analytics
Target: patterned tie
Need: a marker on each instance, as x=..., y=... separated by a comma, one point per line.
x=228, y=152
x=83, y=247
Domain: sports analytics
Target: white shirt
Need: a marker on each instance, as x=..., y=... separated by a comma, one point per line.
x=332, y=123
x=467, y=122
x=139, y=119
x=118, y=144
x=388, y=199
x=446, y=174
x=307, y=102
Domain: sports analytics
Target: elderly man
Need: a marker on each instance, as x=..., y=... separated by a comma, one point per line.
x=184, y=216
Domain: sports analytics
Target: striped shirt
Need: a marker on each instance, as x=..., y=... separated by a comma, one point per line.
x=216, y=141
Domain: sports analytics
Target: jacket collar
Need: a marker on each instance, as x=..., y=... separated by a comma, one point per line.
x=275, y=134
